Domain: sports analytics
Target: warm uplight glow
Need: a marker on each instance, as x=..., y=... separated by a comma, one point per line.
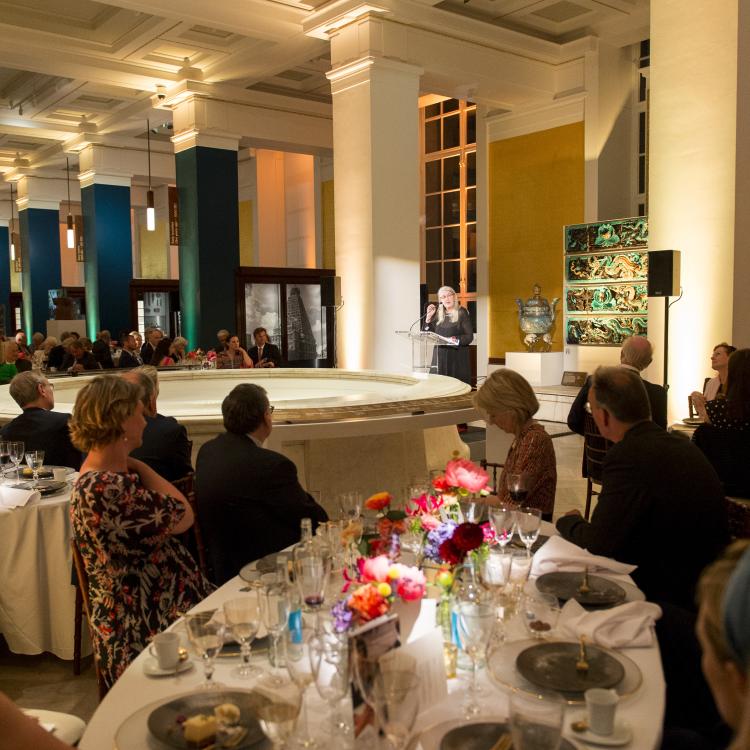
x=71, y=232
x=12, y=250
x=150, y=212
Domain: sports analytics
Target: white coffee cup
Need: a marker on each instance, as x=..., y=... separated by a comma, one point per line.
x=60, y=474
x=601, y=706
x=166, y=648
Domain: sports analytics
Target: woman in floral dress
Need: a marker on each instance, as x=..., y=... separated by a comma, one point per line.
x=125, y=517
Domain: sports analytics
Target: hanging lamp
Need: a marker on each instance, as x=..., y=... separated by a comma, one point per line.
x=71, y=231
x=150, y=210
x=12, y=244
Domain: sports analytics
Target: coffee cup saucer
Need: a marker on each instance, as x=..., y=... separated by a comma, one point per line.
x=621, y=735
x=152, y=669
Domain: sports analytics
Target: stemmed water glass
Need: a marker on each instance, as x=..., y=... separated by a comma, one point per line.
x=35, y=460
x=329, y=658
x=476, y=621
x=299, y=666
x=207, y=637
x=275, y=607
x=350, y=504
x=395, y=696
x=312, y=569
x=495, y=572
x=4, y=455
x=16, y=452
x=278, y=716
x=528, y=523
x=503, y=522
x=242, y=616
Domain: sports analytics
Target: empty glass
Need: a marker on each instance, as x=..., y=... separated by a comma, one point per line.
x=329, y=658
x=299, y=666
x=528, y=523
x=242, y=616
x=350, y=504
x=16, y=452
x=278, y=717
x=475, y=624
x=35, y=461
x=275, y=607
x=536, y=721
x=540, y=613
x=503, y=522
x=207, y=637
x=395, y=696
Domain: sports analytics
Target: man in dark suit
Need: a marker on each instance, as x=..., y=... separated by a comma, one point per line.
x=153, y=337
x=129, y=356
x=636, y=354
x=165, y=446
x=661, y=506
x=38, y=426
x=102, y=350
x=78, y=359
x=264, y=353
x=250, y=502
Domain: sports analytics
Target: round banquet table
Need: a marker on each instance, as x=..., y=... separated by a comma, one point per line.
x=37, y=599
x=134, y=690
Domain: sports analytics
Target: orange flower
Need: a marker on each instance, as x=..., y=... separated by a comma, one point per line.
x=368, y=602
x=386, y=527
x=378, y=501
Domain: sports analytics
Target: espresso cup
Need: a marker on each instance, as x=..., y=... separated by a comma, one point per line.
x=60, y=474
x=166, y=648
x=601, y=706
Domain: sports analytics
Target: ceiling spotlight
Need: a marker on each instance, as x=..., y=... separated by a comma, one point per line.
x=20, y=110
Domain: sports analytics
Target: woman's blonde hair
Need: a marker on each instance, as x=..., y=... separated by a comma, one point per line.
x=100, y=409
x=507, y=391
x=180, y=341
x=453, y=314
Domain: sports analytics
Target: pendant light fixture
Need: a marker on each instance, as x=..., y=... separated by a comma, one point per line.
x=12, y=244
x=71, y=230
x=150, y=210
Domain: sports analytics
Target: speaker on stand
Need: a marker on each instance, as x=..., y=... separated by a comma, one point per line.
x=330, y=296
x=664, y=281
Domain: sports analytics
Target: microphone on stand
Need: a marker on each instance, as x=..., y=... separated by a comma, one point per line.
x=420, y=318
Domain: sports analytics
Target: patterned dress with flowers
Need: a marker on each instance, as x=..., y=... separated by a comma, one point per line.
x=141, y=578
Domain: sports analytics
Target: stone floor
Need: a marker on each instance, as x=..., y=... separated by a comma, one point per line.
x=47, y=682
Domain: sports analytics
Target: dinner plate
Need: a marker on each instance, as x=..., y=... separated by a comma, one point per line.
x=482, y=736
x=45, y=487
x=602, y=591
x=552, y=666
x=501, y=669
x=692, y=421
x=162, y=721
x=46, y=472
x=152, y=669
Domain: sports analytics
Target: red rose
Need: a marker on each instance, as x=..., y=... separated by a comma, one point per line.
x=468, y=536
x=450, y=553
x=440, y=484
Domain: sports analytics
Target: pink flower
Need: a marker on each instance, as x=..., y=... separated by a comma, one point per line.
x=411, y=590
x=375, y=568
x=489, y=533
x=429, y=523
x=465, y=474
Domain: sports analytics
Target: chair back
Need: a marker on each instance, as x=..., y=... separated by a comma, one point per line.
x=82, y=582
x=487, y=465
x=186, y=485
x=738, y=517
x=595, y=447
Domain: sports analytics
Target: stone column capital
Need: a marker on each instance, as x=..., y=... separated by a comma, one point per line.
x=359, y=71
x=208, y=137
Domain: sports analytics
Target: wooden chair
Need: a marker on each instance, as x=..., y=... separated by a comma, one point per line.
x=485, y=464
x=738, y=517
x=186, y=485
x=595, y=447
x=83, y=603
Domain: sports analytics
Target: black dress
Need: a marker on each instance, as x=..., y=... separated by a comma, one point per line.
x=453, y=360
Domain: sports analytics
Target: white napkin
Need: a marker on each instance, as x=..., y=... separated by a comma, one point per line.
x=558, y=554
x=628, y=625
x=10, y=497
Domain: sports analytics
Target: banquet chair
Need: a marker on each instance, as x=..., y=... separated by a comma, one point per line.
x=82, y=588
x=738, y=517
x=485, y=464
x=691, y=409
x=595, y=447
x=194, y=536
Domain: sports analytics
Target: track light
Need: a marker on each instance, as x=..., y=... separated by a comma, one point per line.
x=71, y=231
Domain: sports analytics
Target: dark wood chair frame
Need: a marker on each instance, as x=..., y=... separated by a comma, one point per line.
x=595, y=447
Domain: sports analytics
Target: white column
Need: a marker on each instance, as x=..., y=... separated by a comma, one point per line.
x=376, y=173
x=692, y=178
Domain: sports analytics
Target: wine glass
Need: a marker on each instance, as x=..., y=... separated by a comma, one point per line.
x=4, y=455
x=329, y=658
x=503, y=522
x=299, y=666
x=518, y=487
x=242, y=616
x=207, y=637
x=395, y=695
x=16, y=452
x=275, y=607
x=495, y=572
x=35, y=460
x=476, y=621
x=528, y=522
x=312, y=569
x=278, y=716
x=350, y=504
x=536, y=720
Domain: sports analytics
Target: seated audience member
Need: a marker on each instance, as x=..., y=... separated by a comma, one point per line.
x=636, y=354
x=125, y=517
x=658, y=491
x=36, y=342
x=130, y=356
x=161, y=356
x=716, y=387
x=38, y=426
x=508, y=402
x=250, y=502
x=8, y=369
x=78, y=359
x=19, y=731
x=164, y=445
x=234, y=356
x=153, y=337
x=222, y=338
x=177, y=352
x=57, y=353
x=725, y=436
x=41, y=355
x=102, y=350
x=23, y=347
x=264, y=353
x=138, y=339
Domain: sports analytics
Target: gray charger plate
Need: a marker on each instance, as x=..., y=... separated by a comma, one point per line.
x=602, y=593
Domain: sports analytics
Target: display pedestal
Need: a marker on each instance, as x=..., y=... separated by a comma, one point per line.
x=57, y=327
x=539, y=368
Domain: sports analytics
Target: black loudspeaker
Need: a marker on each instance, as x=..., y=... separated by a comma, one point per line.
x=330, y=291
x=423, y=297
x=664, y=273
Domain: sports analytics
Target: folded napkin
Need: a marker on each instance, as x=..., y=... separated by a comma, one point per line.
x=10, y=497
x=628, y=625
x=558, y=554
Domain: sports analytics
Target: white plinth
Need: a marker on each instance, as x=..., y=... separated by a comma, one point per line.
x=57, y=327
x=539, y=368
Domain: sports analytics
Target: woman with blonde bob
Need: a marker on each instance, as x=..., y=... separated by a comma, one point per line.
x=451, y=321
x=508, y=402
x=125, y=517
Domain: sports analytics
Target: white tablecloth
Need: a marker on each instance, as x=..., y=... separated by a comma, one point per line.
x=37, y=600
x=644, y=710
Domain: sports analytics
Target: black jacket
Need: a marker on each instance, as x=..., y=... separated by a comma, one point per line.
x=270, y=352
x=661, y=508
x=250, y=502
x=88, y=360
x=128, y=360
x=165, y=447
x=46, y=431
x=103, y=354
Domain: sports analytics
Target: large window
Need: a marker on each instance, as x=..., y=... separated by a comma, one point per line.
x=450, y=204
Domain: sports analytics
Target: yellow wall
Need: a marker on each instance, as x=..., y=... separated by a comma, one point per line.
x=326, y=218
x=536, y=185
x=247, y=237
x=154, y=251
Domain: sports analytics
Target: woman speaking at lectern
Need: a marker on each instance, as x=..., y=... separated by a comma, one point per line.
x=450, y=320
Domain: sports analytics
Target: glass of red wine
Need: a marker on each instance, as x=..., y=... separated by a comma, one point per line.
x=518, y=487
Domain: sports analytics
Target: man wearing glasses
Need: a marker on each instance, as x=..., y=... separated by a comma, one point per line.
x=38, y=426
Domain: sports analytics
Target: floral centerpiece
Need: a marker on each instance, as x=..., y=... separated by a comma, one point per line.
x=378, y=583
x=390, y=523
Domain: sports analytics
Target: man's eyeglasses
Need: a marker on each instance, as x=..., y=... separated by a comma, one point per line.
x=271, y=408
